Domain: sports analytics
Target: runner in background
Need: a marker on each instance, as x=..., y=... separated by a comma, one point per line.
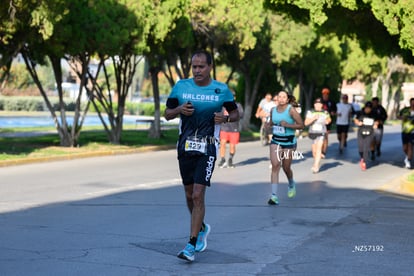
x=406, y=115
x=366, y=122
x=230, y=134
x=262, y=111
x=317, y=119
x=382, y=116
x=343, y=118
x=329, y=106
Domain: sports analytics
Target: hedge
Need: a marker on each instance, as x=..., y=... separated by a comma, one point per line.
x=34, y=104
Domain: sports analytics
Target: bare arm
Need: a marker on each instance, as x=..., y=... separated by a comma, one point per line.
x=258, y=111
x=310, y=120
x=186, y=109
x=233, y=116
x=296, y=117
x=357, y=122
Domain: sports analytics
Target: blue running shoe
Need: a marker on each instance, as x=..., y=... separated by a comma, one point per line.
x=187, y=253
x=201, y=244
x=291, y=190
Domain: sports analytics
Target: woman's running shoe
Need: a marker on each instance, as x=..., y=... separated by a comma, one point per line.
x=273, y=200
x=363, y=165
x=315, y=169
x=291, y=189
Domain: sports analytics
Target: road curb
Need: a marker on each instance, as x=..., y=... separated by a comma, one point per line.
x=401, y=185
x=31, y=160
x=406, y=185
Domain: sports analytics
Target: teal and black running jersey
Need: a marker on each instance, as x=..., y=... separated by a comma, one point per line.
x=283, y=136
x=206, y=100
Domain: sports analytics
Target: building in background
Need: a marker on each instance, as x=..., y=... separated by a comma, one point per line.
x=407, y=90
x=355, y=91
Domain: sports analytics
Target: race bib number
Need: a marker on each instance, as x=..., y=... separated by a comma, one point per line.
x=196, y=144
x=368, y=121
x=317, y=128
x=278, y=130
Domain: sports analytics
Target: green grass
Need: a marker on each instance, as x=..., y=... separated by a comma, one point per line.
x=410, y=177
x=91, y=140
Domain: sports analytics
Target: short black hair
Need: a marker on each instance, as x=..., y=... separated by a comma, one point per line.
x=283, y=91
x=209, y=59
x=368, y=104
x=375, y=99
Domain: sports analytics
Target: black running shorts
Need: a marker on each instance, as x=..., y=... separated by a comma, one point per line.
x=197, y=169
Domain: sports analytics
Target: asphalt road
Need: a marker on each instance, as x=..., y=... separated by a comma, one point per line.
x=126, y=215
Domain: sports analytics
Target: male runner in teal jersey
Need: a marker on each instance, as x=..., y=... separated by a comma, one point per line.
x=199, y=102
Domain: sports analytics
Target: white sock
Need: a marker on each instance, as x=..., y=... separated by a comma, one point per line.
x=274, y=189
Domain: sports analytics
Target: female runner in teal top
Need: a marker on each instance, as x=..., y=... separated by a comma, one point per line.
x=284, y=121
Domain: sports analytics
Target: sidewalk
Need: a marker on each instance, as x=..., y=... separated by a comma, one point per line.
x=400, y=186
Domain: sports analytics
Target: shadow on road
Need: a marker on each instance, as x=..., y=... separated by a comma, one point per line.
x=140, y=231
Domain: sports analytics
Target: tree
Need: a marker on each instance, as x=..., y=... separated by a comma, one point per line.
x=389, y=22
x=290, y=43
x=76, y=31
x=252, y=71
x=382, y=28
x=37, y=44
x=48, y=37
x=167, y=33
x=115, y=37
x=232, y=31
x=14, y=16
x=397, y=17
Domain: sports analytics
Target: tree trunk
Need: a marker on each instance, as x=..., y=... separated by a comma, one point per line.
x=248, y=105
x=155, y=130
x=375, y=85
x=251, y=91
x=66, y=140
